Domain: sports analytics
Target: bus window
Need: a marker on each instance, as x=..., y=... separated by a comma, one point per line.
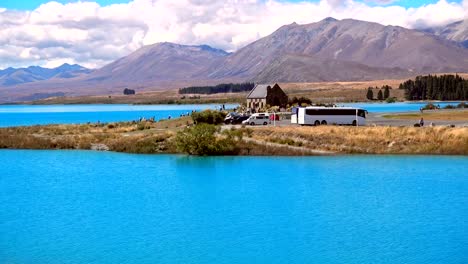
x=362, y=113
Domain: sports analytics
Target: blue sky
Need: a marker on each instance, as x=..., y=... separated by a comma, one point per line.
x=32, y=4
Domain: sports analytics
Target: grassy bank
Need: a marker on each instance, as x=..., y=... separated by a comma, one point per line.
x=371, y=140
x=435, y=115
x=131, y=137
x=163, y=136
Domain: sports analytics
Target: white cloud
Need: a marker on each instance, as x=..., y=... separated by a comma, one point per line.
x=382, y=2
x=93, y=35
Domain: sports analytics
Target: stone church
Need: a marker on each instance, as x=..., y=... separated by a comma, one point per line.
x=265, y=94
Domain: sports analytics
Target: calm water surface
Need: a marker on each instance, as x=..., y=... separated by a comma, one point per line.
x=21, y=115
x=90, y=207
x=396, y=107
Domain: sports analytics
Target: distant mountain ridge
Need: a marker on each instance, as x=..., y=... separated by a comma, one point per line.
x=328, y=50
x=13, y=76
x=457, y=32
x=347, y=40
x=159, y=62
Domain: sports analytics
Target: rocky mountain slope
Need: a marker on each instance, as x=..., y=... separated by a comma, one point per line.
x=159, y=62
x=457, y=32
x=303, y=68
x=348, y=40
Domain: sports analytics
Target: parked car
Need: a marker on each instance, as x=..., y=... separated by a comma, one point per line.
x=257, y=119
x=230, y=117
x=239, y=119
x=274, y=117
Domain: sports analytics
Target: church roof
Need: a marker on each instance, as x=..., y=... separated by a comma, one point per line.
x=259, y=91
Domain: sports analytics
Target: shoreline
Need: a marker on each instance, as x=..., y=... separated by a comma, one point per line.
x=159, y=138
x=279, y=156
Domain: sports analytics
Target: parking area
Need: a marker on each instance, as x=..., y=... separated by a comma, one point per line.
x=372, y=119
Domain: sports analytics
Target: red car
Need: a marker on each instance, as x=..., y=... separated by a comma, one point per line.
x=274, y=117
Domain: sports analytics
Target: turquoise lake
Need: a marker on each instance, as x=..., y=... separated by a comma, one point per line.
x=96, y=207
x=396, y=107
x=25, y=115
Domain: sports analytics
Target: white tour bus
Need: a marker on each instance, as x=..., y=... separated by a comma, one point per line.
x=329, y=115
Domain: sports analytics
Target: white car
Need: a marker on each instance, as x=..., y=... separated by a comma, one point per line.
x=257, y=119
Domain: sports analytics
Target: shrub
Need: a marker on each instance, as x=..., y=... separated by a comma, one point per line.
x=201, y=140
x=461, y=105
x=208, y=117
x=302, y=101
x=449, y=107
x=141, y=126
x=429, y=106
x=127, y=91
x=390, y=100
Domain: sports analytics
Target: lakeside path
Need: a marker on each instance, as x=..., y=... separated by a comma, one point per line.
x=159, y=137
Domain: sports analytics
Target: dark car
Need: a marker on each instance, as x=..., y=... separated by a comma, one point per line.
x=239, y=119
x=230, y=117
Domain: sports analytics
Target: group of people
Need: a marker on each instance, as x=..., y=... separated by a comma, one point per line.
x=143, y=119
x=186, y=114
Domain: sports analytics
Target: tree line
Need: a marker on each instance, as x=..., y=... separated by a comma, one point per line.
x=433, y=87
x=380, y=95
x=220, y=88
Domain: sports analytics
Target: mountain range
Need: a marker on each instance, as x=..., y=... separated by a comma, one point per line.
x=457, y=32
x=12, y=76
x=329, y=50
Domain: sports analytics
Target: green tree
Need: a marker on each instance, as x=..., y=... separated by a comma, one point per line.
x=441, y=87
x=380, y=95
x=370, y=94
x=386, y=92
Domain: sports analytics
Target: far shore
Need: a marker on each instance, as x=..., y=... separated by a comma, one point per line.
x=318, y=92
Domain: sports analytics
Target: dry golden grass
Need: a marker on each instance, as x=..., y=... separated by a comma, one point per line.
x=378, y=140
x=141, y=137
x=158, y=137
x=340, y=91
x=436, y=115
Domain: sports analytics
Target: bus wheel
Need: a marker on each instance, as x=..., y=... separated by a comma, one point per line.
x=354, y=123
x=265, y=123
x=324, y=122
x=252, y=124
x=317, y=123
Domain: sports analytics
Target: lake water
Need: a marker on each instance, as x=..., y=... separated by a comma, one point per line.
x=395, y=107
x=20, y=115
x=90, y=207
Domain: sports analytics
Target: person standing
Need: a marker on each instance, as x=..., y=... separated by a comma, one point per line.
x=421, y=122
